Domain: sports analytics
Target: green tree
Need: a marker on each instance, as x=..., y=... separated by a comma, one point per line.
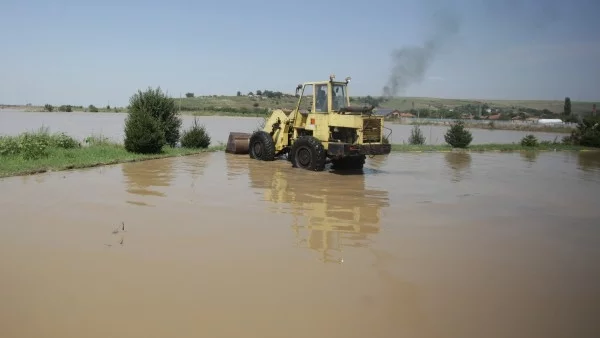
x=143, y=133
x=457, y=136
x=65, y=108
x=189, y=94
x=567, y=108
x=161, y=108
x=587, y=133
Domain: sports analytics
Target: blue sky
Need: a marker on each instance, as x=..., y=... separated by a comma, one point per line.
x=95, y=52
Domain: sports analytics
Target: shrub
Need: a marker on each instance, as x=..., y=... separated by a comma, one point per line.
x=34, y=145
x=98, y=140
x=64, y=141
x=457, y=136
x=65, y=108
x=416, y=136
x=587, y=133
x=529, y=141
x=9, y=146
x=143, y=133
x=195, y=137
x=162, y=109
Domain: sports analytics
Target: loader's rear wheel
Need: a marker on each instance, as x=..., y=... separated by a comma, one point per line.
x=349, y=163
x=308, y=153
x=261, y=146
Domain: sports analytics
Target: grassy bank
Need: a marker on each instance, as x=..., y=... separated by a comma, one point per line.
x=40, y=151
x=492, y=147
x=37, y=152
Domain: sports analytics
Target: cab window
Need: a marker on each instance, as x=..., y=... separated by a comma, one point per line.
x=339, y=98
x=321, y=98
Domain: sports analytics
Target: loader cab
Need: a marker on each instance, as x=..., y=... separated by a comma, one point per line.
x=323, y=97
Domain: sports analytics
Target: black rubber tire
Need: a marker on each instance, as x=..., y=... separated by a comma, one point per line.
x=308, y=153
x=349, y=163
x=261, y=146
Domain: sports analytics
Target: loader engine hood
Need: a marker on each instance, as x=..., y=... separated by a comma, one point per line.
x=357, y=109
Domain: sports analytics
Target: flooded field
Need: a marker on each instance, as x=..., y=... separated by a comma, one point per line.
x=81, y=125
x=215, y=245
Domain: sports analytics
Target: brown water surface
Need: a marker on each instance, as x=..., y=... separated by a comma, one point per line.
x=217, y=245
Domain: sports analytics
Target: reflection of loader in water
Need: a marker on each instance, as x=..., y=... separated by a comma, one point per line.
x=329, y=214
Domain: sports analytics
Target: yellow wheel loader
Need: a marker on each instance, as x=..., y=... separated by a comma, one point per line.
x=322, y=127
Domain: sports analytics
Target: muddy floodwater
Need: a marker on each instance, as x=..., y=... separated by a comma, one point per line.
x=216, y=245
x=111, y=125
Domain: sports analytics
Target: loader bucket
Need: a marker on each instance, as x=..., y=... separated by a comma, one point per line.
x=238, y=143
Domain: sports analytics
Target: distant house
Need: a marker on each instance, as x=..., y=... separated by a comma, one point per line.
x=383, y=111
x=387, y=112
x=532, y=119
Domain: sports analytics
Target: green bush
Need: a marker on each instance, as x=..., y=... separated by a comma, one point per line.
x=9, y=146
x=195, y=137
x=457, y=136
x=416, y=136
x=65, y=108
x=33, y=145
x=162, y=109
x=64, y=141
x=587, y=133
x=98, y=140
x=529, y=141
x=143, y=133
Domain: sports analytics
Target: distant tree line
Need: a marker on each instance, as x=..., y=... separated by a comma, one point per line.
x=69, y=108
x=243, y=110
x=368, y=100
x=266, y=93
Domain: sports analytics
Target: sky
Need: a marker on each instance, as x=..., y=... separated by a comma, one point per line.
x=103, y=52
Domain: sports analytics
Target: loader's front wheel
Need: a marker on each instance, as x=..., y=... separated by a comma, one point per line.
x=261, y=146
x=308, y=153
